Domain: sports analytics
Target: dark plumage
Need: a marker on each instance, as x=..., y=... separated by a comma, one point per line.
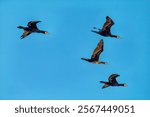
x=96, y=53
x=112, y=81
x=106, y=30
x=32, y=28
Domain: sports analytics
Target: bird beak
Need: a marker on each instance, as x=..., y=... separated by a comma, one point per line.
x=46, y=32
x=118, y=37
x=106, y=63
x=125, y=85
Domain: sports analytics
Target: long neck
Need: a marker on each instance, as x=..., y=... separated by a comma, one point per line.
x=98, y=32
x=120, y=84
x=41, y=31
x=115, y=36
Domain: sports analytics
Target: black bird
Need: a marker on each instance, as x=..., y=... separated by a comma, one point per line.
x=96, y=53
x=106, y=30
x=32, y=28
x=112, y=81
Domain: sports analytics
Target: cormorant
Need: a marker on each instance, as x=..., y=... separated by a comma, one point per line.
x=106, y=30
x=32, y=28
x=112, y=81
x=96, y=53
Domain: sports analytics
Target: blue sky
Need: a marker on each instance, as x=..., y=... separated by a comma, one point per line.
x=49, y=66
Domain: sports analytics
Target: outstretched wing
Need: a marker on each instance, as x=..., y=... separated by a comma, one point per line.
x=105, y=86
x=107, y=25
x=32, y=24
x=26, y=33
x=98, y=50
x=112, y=78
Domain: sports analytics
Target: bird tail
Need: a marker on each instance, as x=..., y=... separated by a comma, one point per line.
x=94, y=28
x=98, y=32
x=94, y=31
x=102, y=82
x=85, y=59
x=21, y=27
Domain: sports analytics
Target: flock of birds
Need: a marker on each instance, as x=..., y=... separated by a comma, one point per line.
x=105, y=31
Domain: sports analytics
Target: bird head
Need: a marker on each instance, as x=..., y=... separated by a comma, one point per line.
x=125, y=85
x=118, y=37
x=46, y=32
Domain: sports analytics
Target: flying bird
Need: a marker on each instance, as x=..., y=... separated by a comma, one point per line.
x=96, y=53
x=106, y=30
x=31, y=28
x=112, y=81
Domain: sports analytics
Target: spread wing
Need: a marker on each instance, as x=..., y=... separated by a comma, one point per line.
x=112, y=78
x=32, y=24
x=105, y=86
x=107, y=25
x=98, y=50
x=26, y=33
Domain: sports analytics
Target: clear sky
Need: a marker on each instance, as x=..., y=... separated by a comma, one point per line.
x=49, y=66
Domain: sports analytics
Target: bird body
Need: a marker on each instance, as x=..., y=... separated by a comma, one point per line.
x=112, y=81
x=96, y=53
x=106, y=30
x=32, y=28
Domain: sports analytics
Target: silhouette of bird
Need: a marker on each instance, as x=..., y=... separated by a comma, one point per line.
x=106, y=30
x=112, y=81
x=96, y=53
x=32, y=28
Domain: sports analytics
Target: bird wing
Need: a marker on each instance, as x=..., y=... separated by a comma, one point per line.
x=26, y=33
x=98, y=50
x=105, y=86
x=112, y=78
x=107, y=25
x=32, y=24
